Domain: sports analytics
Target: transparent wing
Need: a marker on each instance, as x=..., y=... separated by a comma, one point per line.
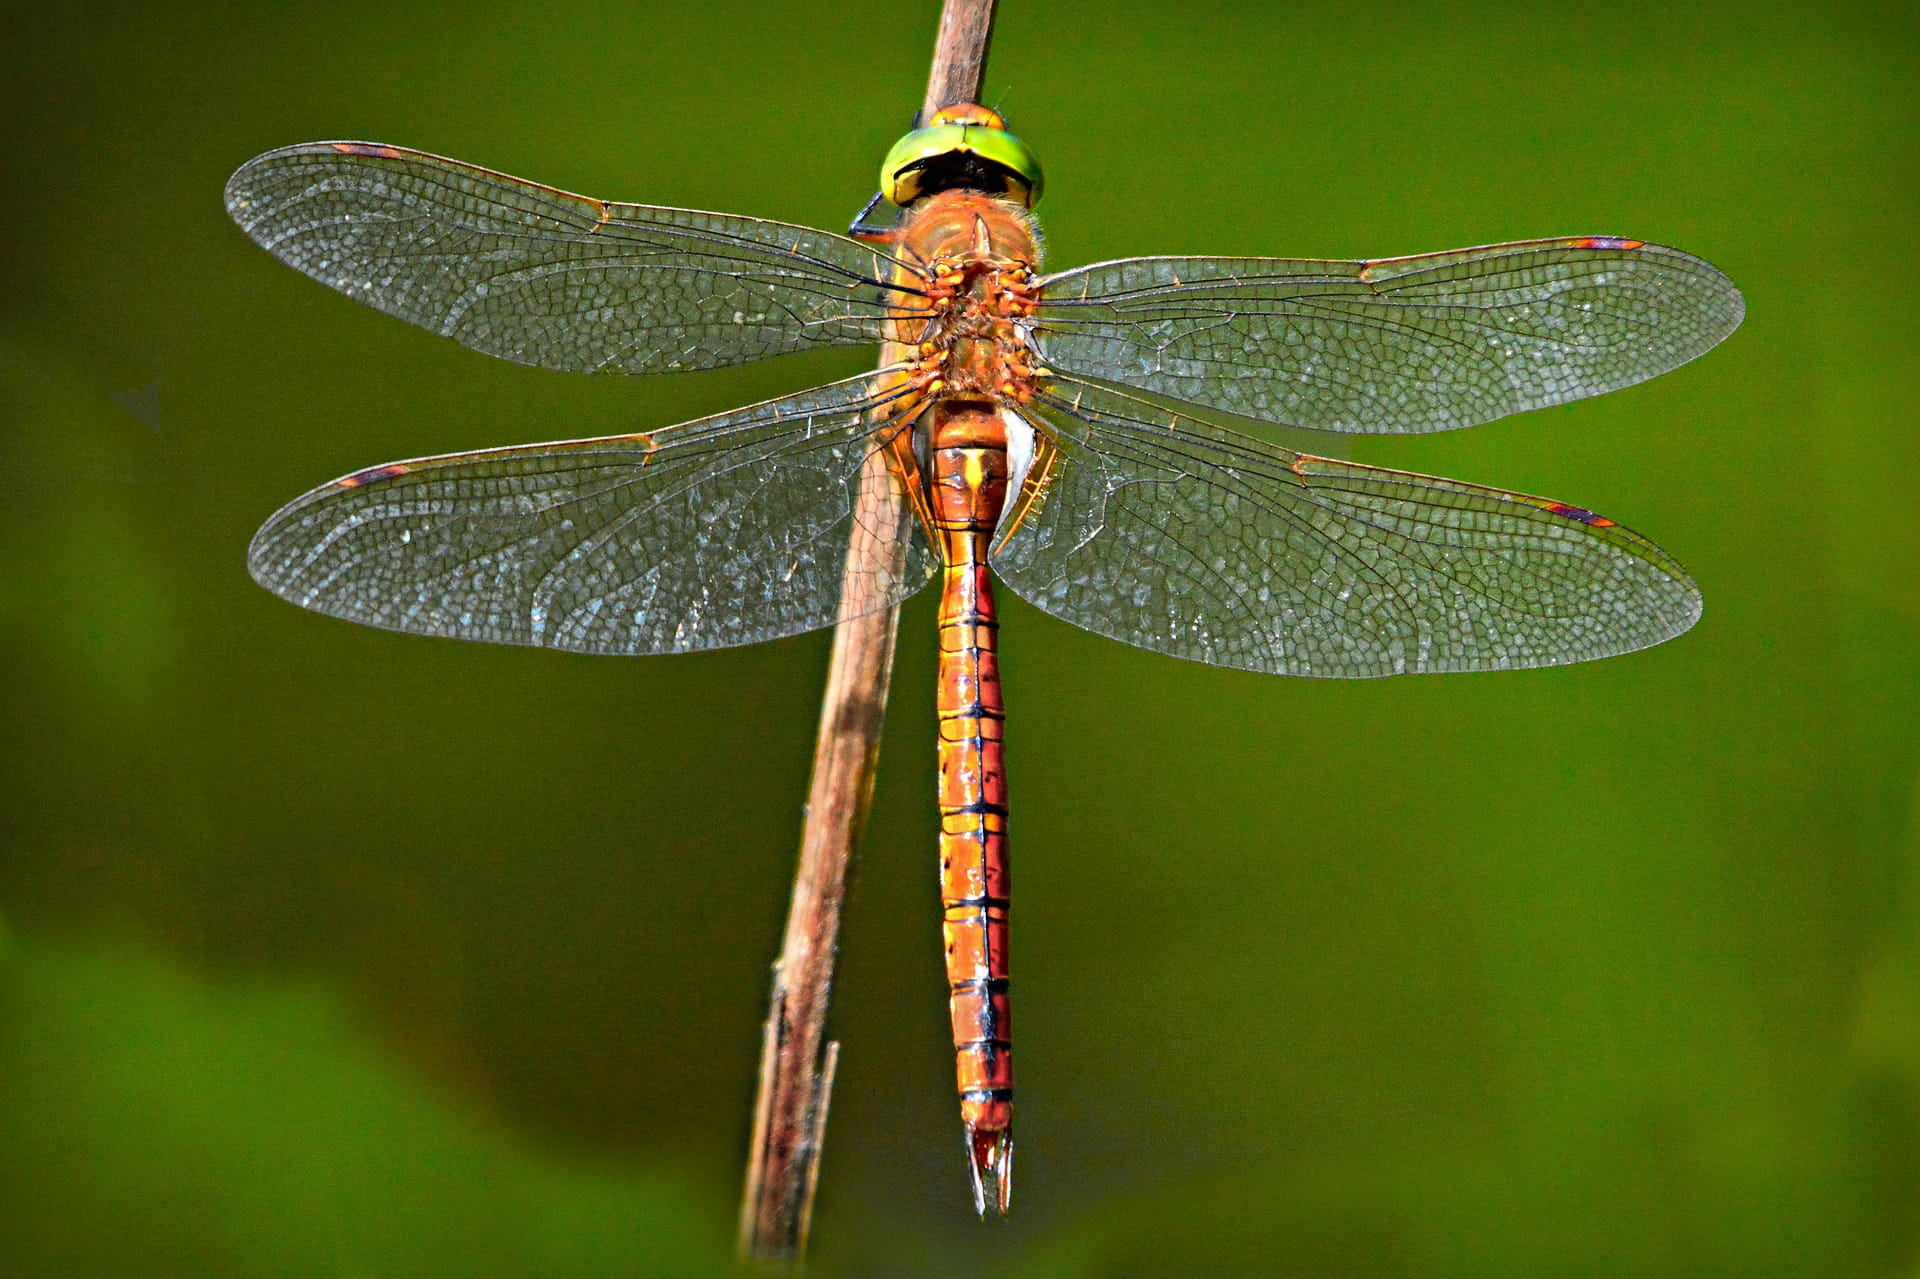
x=539, y=276
x=729, y=530
x=1184, y=538
x=1399, y=345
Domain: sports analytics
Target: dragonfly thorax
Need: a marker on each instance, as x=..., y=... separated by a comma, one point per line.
x=972, y=335
x=972, y=350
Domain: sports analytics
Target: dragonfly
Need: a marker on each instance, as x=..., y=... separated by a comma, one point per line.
x=1059, y=432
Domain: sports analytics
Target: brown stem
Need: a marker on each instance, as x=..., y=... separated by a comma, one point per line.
x=959, y=54
x=797, y=1060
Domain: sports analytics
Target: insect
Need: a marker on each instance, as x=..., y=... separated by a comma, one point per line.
x=1053, y=429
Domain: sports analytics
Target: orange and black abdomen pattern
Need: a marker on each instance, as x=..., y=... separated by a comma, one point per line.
x=969, y=490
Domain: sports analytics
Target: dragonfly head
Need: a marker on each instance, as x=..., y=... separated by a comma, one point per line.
x=964, y=146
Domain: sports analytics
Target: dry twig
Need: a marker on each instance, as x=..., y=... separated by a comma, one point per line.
x=797, y=1060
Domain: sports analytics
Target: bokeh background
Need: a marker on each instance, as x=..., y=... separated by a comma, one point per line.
x=335, y=952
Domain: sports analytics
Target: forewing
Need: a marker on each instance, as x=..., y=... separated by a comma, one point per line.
x=729, y=530
x=1393, y=346
x=1187, y=539
x=540, y=276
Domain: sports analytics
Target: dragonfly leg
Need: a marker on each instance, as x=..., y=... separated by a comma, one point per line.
x=859, y=229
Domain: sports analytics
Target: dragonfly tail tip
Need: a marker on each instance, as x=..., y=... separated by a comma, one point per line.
x=990, y=1159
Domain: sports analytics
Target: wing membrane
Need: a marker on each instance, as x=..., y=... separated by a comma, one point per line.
x=540, y=276
x=1393, y=346
x=729, y=530
x=1187, y=539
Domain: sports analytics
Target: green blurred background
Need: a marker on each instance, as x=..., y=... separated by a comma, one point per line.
x=335, y=952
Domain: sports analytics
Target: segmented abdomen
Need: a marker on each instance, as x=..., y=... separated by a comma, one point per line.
x=969, y=483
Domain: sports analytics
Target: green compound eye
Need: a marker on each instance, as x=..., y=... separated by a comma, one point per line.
x=966, y=147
